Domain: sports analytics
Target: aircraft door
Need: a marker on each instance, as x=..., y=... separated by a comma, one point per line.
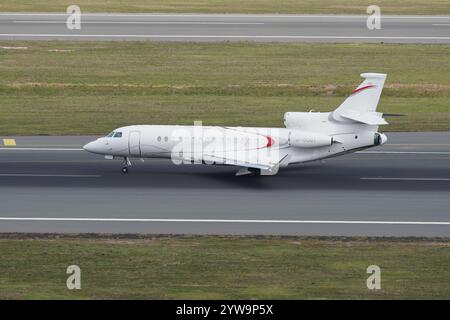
x=134, y=141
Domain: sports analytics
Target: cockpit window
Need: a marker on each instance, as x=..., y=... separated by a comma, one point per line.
x=111, y=134
x=118, y=135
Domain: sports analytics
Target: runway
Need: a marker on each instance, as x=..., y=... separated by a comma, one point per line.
x=48, y=184
x=220, y=27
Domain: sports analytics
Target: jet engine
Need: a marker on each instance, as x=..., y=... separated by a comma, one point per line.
x=304, y=119
x=379, y=139
x=304, y=139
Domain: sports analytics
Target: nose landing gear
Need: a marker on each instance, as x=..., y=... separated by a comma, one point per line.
x=126, y=164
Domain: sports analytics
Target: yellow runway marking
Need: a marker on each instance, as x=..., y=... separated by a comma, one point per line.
x=9, y=142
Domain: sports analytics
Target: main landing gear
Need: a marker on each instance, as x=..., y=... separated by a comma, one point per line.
x=248, y=172
x=126, y=164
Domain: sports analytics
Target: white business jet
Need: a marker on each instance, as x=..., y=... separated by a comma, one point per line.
x=308, y=136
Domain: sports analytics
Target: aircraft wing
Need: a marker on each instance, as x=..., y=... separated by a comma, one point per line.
x=251, y=149
x=251, y=160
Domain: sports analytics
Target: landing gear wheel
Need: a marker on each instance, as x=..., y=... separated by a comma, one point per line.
x=126, y=164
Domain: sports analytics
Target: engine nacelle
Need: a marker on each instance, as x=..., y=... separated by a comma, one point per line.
x=379, y=139
x=304, y=119
x=304, y=139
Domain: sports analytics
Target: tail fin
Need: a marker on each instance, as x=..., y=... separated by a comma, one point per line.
x=361, y=105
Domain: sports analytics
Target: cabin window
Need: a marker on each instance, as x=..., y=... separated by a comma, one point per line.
x=118, y=135
x=111, y=134
x=166, y=139
x=159, y=139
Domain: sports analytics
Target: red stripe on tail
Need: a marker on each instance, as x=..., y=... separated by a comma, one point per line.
x=363, y=88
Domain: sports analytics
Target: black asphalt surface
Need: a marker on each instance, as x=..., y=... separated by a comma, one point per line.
x=382, y=192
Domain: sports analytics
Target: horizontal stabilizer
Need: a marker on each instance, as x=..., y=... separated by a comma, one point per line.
x=370, y=118
x=393, y=115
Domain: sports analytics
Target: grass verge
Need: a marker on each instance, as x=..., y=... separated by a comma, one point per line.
x=233, y=6
x=90, y=88
x=213, y=267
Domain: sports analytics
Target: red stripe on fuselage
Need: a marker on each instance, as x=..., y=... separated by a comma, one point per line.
x=270, y=142
x=363, y=88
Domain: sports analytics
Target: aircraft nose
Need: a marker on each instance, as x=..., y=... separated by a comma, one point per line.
x=90, y=147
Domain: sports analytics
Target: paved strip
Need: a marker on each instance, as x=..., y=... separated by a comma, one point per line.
x=216, y=27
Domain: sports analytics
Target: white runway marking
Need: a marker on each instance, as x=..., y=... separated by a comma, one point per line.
x=224, y=15
x=405, y=152
x=41, y=149
x=50, y=175
x=441, y=24
x=160, y=36
x=405, y=179
x=229, y=221
x=140, y=22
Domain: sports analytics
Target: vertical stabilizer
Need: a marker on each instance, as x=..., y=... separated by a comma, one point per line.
x=362, y=103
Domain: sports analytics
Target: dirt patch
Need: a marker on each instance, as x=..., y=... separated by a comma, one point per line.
x=14, y=48
x=326, y=89
x=60, y=50
x=149, y=238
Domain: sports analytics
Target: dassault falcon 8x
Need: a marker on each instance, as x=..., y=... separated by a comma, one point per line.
x=307, y=136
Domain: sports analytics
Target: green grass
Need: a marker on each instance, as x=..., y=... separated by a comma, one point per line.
x=223, y=268
x=234, y=6
x=91, y=88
